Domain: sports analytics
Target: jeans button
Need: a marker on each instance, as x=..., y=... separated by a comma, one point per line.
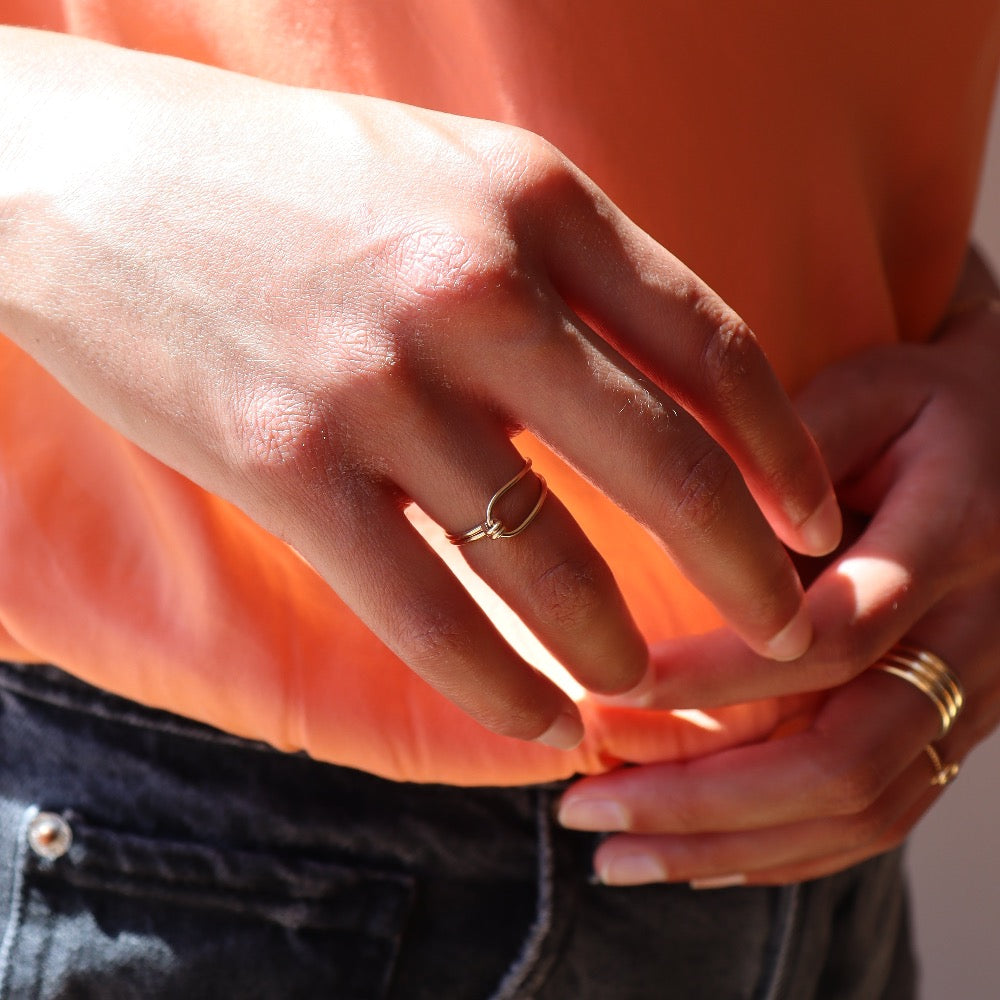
x=49, y=835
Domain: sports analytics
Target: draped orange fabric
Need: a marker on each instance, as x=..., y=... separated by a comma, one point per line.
x=815, y=163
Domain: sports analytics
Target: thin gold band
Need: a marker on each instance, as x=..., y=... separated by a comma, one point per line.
x=943, y=773
x=496, y=529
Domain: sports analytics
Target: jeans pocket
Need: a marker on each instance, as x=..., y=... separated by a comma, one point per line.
x=102, y=913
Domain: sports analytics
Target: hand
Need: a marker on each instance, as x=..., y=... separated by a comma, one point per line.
x=909, y=433
x=323, y=307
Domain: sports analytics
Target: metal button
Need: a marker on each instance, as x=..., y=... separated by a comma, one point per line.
x=49, y=835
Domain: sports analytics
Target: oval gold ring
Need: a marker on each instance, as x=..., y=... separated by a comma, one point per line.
x=494, y=528
x=929, y=674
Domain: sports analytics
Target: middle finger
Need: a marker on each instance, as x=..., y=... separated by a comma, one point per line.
x=658, y=464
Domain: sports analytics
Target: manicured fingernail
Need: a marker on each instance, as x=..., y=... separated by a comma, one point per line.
x=640, y=696
x=593, y=814
x=718, y=881
x=822, y=530
x=632, y=869
x=793, y=640
x=565, y=733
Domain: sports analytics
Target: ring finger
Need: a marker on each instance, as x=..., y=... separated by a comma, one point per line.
x=549, y=574
x=652, y=458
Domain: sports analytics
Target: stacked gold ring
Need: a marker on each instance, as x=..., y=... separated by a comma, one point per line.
x=929, y=674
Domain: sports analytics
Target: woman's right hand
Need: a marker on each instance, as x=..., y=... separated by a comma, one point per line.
x=323, y=307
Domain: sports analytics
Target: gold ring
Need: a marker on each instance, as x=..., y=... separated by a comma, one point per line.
x=929, y=674
x=943, y=773
x=494, y=528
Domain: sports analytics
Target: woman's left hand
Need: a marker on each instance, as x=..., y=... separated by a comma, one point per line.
x=911, y=434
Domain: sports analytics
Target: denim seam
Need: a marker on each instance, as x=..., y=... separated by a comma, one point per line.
x=776, y=987
x=16, y=899
x=531, y=950
x=202, y=888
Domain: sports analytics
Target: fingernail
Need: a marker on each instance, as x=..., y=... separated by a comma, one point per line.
x=822, y=530
x=632, y=869
x=599, y=815
x=718, y=881
x=793, y=640
x=640, y=696
x=566, y=733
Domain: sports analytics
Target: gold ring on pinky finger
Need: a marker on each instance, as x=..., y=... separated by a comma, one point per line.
x=944, y=774
x=494, y=528
x=929, y=674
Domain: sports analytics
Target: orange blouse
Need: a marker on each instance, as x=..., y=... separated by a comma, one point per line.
x=815, y=163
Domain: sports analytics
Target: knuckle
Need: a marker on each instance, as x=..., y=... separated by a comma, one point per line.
x=687, y=814
x=462, y=279
x=531, y=178
x=729, y=356
x=847, y=787
x=865, y=828
x=477, y=250
x=522, y=162
x=847, y=655
x=569, y=594
x=439, y=259
x=700, y=497
x=432, y=642
x=279, y=434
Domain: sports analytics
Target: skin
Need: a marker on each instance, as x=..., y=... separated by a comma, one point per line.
x=327, y=337
x=322, y=364
x=909, y=433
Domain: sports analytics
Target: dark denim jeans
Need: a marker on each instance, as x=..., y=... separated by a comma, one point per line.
x=145, y=856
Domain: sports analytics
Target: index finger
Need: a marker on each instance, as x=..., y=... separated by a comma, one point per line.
x=836, y=767
x=870, y=595
x=668, y=323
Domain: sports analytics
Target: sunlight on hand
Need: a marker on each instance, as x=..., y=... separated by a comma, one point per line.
x=873, y=580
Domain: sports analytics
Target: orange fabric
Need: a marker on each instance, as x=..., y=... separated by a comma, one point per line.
x=816, y=163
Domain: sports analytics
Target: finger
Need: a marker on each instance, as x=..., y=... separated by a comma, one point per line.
x=399, y=587
x=880, y=805
x=838, y=860
x=901, y=566
x=658, y=464
x=549, y=574
x=857, y=409
x=675, y=329
x=838, y=767
x=966, y=628
x=773, y=855
x=795, y=807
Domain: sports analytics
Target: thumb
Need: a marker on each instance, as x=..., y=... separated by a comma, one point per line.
x=857, y=408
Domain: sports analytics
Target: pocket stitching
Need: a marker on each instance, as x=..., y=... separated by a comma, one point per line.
x=17, y=898
x=83, y=869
